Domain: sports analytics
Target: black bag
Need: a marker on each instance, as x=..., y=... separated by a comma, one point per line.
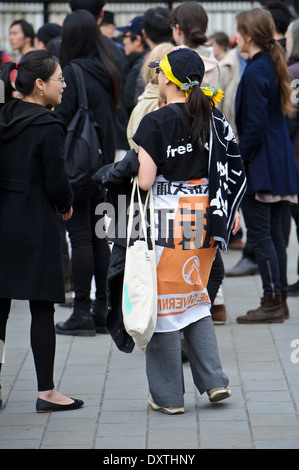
x=83, y=146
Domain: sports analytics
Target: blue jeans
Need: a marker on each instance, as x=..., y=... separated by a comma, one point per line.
x=265, y=235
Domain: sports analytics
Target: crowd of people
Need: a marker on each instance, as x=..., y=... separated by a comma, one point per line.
x=153, y=87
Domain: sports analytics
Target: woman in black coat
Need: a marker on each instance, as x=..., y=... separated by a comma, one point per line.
x=33, y=186
x=82, y=43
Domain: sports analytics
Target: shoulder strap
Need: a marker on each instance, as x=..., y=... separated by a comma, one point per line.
x=176, y=108
x=80, y=82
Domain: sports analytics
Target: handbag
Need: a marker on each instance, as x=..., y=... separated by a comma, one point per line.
x=139, y=297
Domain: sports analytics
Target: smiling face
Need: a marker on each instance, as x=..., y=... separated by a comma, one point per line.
x=53, y=88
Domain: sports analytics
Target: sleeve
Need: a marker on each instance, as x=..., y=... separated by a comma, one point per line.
x=57, y=185
x=148, y=137
x=255, y=100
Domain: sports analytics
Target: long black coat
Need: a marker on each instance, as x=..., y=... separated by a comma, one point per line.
x=33, y=183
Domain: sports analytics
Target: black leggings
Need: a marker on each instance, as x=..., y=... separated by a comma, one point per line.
x=43, y=339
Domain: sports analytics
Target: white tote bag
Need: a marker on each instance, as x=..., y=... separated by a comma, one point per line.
x=139, y=300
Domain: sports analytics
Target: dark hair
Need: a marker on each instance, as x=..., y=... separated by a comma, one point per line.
x=35, y=64
x=199, y=110
x=81, y=38
x=93, y=6
x=258, y=23
x=221, y=38
x=155, y=24
x=280, y=14
x=27, y=29
x=193, y=21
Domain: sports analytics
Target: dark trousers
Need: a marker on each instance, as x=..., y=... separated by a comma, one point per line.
x=216, y=276
x=265, y=234
x=43, y=339
x=90, y=254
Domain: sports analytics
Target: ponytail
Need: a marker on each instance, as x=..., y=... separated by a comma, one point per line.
x=283, y=77
x=5, y=76
x=199, y=110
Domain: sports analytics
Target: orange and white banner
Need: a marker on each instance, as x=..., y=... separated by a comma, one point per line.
x=184, y=252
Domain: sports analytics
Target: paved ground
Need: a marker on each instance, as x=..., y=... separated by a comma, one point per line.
x=262, y=362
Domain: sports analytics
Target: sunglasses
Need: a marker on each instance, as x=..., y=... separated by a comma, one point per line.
x=158, y=70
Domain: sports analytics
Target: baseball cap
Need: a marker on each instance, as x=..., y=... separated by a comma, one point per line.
x=180, y=64
x=135, y=26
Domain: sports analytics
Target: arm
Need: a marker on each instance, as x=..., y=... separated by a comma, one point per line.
x=147, y=170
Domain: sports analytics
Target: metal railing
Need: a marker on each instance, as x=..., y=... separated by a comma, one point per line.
x=221, y=13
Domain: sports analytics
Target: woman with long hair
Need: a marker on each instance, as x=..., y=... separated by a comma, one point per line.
x=189, y=156
x=262, y=103
x=83, y=44
x=33, y=186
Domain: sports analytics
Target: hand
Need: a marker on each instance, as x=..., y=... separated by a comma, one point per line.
x=68, y=215
x=237, y=223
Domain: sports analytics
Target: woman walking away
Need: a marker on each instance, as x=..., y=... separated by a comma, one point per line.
x=83, y=45
x=33, y=185
x=189, y=156
x=262, y=103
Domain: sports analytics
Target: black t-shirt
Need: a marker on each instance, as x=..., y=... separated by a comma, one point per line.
x=165, y=138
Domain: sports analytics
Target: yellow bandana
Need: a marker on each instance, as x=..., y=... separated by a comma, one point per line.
x=213, y=93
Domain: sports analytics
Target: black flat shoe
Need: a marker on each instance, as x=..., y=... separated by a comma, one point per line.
x=43, y=406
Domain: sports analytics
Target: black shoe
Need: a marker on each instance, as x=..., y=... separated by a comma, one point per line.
x=244, y=267
x=43, y=406
x=80, y=323
x=293, y=290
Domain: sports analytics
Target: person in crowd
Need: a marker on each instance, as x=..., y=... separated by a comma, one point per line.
x=220, y=43
x=189, y=23
x=107, y=25
x=247, y=265
x=135, y=48
x=33, y=185
x=173, y=156
x=97, y=9
x=262, y=103
x=292, y=48
x=82, y=43
x=150, y=100
x=45, y=34
x=21, y=36
x=155, y=30
x=282, y=17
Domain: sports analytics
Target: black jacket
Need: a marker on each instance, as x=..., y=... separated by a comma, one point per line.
x=33, y=183
x=116, y=180
x=100, y=100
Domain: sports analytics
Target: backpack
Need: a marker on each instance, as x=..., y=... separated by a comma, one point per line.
x=83, y=144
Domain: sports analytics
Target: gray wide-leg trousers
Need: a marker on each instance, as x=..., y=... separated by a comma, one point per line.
x=164, y=366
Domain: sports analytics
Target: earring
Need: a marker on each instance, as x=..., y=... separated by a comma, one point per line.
x=41, y=93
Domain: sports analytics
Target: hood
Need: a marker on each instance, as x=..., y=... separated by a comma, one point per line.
x=93, y=67
x=17, y=115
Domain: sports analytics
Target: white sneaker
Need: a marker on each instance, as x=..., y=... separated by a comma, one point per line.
x=170, y=410
x=219, y=393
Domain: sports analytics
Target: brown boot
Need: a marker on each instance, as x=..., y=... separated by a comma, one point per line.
x=218, y=313
x=284, y=295
x=270, y=311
